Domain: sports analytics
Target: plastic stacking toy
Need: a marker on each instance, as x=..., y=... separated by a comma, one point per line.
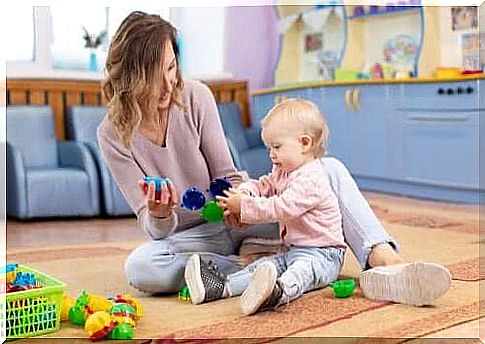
x=127, y=298
x=211, y=212
x=343, y=288
x=158, y=184
x=122, y=331
x=218, y=186
x=193, y=199
x=184, y=294
x=98, y=325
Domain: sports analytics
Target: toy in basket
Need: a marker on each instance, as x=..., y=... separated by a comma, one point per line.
x=33, y=302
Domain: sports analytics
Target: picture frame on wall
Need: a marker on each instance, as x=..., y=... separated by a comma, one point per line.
x=464, y=18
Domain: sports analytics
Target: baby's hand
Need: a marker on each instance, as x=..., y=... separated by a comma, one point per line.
x=265, y=184
x=232, y=202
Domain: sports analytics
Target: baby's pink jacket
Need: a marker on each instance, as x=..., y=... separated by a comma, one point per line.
x=302, y=202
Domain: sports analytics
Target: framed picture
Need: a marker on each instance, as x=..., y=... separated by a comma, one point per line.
x=313, y=42
x=464, y=18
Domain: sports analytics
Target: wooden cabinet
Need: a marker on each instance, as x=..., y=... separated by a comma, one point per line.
x=416, y=139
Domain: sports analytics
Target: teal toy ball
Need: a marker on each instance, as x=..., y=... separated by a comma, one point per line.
x=211, y=212
x=343, y=288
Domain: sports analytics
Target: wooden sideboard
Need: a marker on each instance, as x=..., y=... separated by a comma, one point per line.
x=60, y=94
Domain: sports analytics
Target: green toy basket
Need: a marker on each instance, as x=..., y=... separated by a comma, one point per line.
x=36, y=311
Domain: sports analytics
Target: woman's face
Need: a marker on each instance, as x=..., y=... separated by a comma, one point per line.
x=169, y=76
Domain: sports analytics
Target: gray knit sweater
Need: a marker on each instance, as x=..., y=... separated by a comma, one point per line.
x=195, y=152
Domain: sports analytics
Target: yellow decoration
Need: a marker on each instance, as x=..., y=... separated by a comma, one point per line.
x=99, y=303
x=135, y=303
x=67, y=302
x=97, y=322
x=122, y=319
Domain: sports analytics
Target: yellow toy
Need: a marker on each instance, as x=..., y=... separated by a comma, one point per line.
x=98, y=325
x=99, y=303
x=67, y=302
x=127, y=298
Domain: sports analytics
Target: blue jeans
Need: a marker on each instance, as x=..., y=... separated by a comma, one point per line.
x=299, y=269
x=158, y=266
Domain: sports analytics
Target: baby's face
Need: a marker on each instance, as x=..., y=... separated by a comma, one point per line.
x=284, y=146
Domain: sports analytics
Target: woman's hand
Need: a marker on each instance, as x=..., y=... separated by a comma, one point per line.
x=164, y=206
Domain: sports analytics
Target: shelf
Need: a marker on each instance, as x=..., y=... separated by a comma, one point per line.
x=414, y=9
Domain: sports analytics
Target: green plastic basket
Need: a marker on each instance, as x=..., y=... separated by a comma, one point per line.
x=36, y=311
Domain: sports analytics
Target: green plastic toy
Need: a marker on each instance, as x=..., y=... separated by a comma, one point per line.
x=343, y=288
x=184, y=294
x=122, y=331
x=78, y=312
x=211, y=212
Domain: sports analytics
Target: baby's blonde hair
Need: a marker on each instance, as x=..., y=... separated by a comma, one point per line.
x=307, y=115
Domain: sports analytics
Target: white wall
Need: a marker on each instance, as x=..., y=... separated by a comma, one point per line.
x=202, y=31
x=451, y=40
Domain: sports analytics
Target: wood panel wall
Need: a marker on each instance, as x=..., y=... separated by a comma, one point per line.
x=60, y=94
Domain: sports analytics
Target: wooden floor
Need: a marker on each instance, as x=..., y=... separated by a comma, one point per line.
x=22, y=235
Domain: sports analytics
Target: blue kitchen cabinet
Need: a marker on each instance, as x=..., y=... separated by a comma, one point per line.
x=367, y=130
x=330, y=101
x=262, y=103
x=414, y=139
x=440, y=141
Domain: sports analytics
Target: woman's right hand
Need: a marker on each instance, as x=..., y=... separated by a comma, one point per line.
x=164, y=206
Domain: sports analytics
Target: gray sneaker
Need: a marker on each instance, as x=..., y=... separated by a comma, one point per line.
x=263, y=292
x=414, y=284
x=204, y=280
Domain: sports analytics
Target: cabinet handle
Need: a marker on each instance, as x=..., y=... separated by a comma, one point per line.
x=348, y=99
x=450, y=91
x=439, y=119
x=441, y=91
x=356, y=99
x=469, y=89
x=279, y=99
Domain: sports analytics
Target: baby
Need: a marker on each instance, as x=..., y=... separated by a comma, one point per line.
x=298, y=196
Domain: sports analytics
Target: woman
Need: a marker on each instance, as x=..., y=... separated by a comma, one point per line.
x=160, y=124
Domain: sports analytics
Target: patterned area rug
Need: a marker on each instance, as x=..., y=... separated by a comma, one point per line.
x=446, y=234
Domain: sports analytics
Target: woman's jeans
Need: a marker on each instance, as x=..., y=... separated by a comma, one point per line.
x=158, y=266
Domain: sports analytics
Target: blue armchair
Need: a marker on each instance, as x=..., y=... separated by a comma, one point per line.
x=247, y=148
x=82, y=122
x=46, y=178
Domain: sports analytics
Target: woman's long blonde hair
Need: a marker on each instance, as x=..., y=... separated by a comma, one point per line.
x=133, y=67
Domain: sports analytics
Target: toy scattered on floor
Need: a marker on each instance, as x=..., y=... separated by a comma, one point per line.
x=67, y=303
x=343, y=288
x=193, y=199
x=184, y=294
x=103, y=318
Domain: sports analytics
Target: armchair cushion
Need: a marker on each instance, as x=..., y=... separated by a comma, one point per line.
x=60, y=192
x=257, y=162
x=246, y=146
x=231, y=122
x=31, y=131
x=44, y=178
x=253, y=137
x=82, y=123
